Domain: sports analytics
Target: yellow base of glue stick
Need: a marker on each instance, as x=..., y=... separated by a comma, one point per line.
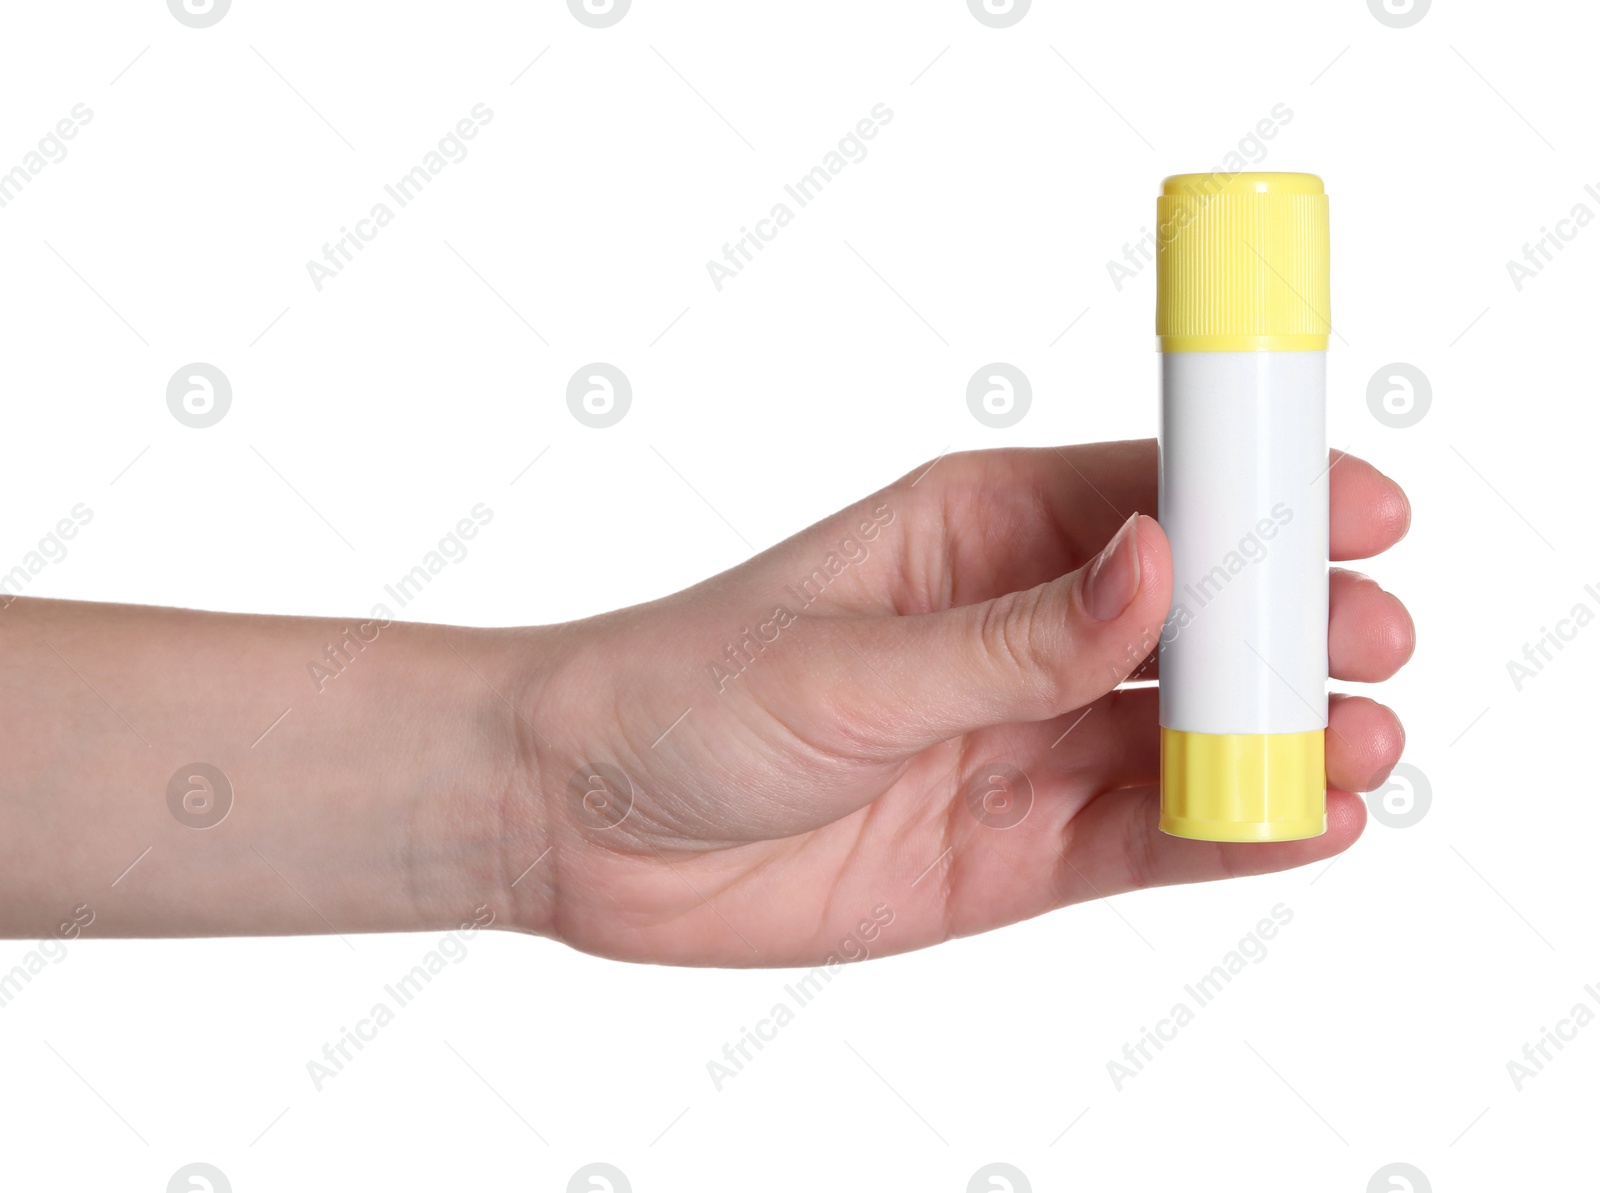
x=1242, y=314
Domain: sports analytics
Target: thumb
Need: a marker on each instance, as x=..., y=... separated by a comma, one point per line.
x=1026, y=656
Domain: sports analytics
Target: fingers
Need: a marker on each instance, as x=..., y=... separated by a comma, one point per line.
x=1013, y=519
x=911, y=682
x=1365, y=740
x=1370, y=633
x=1069, y=850
x=983, y=523
x=1117, y=845
x=1116, y=742
x=1367, y=512
x=1091, y=483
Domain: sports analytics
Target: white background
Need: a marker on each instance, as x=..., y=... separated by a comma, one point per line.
x=413, y=385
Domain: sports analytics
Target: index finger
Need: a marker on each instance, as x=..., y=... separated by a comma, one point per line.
x=1011, y=519
x=1092, y=488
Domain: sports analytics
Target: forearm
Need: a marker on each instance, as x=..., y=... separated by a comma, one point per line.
x=377, y=786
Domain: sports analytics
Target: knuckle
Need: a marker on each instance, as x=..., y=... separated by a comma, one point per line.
x=1018, y=638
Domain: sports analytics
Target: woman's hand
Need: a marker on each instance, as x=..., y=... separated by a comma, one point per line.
x=903, y=724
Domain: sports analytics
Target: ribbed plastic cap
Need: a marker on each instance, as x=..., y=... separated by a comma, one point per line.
x=1242, y=263
x=1243, y=786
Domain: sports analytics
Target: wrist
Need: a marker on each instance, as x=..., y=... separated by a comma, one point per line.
x=466, y=818
x=507, y=837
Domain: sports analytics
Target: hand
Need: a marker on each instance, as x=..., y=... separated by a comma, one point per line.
x=953, y=643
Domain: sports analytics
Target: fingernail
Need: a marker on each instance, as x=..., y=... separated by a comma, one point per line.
x=1113, y=577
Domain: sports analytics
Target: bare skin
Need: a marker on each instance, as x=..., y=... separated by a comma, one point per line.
x=807, y=795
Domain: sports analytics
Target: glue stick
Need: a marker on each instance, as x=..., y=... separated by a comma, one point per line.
x=1243, y=318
